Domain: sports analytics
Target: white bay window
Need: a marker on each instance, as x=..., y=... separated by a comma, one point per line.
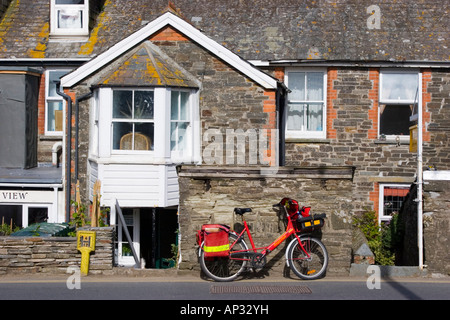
x=151, y=125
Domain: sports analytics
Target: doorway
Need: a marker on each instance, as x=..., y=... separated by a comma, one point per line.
x=158, y=237
x=154, y=235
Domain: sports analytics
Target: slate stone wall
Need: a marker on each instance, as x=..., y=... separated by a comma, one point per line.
x=437, y=149
x=436, y=226
x=209, y=195
x=54, y=254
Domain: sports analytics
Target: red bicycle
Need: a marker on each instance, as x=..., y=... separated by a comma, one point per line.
x=224, y=254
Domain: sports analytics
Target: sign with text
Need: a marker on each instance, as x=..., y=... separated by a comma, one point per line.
x=85, y=244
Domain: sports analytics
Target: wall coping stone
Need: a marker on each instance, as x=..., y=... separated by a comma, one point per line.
x=260, y=172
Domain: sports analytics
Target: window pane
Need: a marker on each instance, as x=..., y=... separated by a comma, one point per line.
x=399, y=86
x=143, y=104
x=314, y=117
x=179, y=106
x=178, y=132
x=295, y=119
x=297, y=86
x=70, y=19
x=11, y=214
x=393, y=198
x=122, y=136
x=394, y=119
x=184, y=106
x=122, y=104
x=69, y=1
x=314, y=86
x=174, y=108
x=53, y=79
x=54, y=116
x=37, y=215
x=143, y=136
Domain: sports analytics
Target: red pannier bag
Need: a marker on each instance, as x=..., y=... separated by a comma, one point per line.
x=216, y=242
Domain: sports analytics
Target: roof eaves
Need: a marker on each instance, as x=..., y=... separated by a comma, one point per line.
x=187, y=29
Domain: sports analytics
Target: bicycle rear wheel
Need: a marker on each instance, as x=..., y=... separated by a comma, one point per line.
x=223, y=268
x=312, y=267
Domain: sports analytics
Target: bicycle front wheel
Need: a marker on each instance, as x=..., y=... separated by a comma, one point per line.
x=224, y=268
x=312, y=264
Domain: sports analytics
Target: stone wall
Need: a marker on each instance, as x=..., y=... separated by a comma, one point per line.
x=54, y=254
x=436, y=226
x=209, y=195
x=352, y=138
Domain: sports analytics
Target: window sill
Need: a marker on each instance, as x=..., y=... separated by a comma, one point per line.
x=392, y=141
x=307, y=140
x=54, y=37
x=56, y=137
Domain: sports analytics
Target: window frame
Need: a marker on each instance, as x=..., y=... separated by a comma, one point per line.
x=382, y=218
x=133, y=121
x=306, y=134
x=67, y=32
x=416, y=102
x=102, y=138
x=177, y=153
x=56, y=98
x=25, y=208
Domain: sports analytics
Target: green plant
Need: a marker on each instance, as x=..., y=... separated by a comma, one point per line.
x=7, y=229
x=79, y=215
x=102, y=218
x=379, y=238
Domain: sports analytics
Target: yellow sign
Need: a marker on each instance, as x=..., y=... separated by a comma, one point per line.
x=413, y=138
x=85, y=244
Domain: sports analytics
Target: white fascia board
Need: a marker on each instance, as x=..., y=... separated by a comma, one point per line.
x=184, y=27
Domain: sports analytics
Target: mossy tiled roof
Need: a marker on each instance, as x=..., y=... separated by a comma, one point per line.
x=254, y=29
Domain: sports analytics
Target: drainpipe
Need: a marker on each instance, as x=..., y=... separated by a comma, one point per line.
x=77, y=127
x=420, y=179
x=68, y=148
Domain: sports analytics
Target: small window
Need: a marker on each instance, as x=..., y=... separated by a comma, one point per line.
x=133, y=120
x=391, y=200
x=179, y=120
x=306, y=104
x=53, y=103
x=398, y=98
x=69, y=17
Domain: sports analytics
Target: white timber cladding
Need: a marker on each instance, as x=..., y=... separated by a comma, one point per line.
x=138, y=185
x=190, y=31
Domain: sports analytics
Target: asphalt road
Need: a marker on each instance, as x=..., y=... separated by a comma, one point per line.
x=187, y=288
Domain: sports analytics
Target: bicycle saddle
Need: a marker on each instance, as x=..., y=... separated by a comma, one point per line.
x=241, y=211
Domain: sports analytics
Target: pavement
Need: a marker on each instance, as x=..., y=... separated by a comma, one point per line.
x=174, y=275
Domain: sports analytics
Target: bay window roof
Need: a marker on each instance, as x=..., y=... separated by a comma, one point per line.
x=147, y=66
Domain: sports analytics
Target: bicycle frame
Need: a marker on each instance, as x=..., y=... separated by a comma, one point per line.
x=290, y=230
